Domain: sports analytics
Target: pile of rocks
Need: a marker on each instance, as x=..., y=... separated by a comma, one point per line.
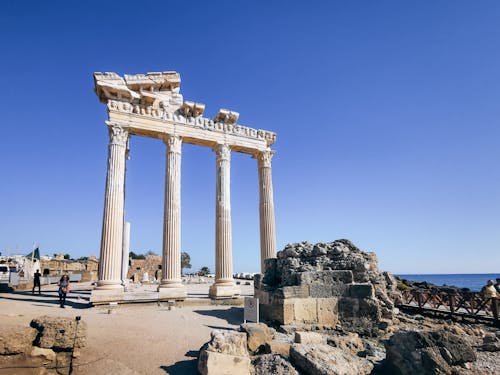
x=259, y=350
x=47, y=345
x=327, y=284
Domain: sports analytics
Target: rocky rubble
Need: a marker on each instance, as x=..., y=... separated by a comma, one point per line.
x=43, y=348
x=327, y=284
x=333, y=312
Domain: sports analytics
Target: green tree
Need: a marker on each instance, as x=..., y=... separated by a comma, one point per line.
x=67, y=256
x=185, y=260
x=83, y=258
x=150, y=252
x=204, y=271
x=136, y=256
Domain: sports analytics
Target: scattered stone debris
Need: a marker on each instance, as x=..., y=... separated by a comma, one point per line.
x=58, y=333
x=333, y=312
x=434, y=352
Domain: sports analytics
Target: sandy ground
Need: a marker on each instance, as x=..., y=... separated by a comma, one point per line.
x=134, y=338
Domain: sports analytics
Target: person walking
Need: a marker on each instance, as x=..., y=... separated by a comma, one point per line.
x=63, y=290
x=491, y=295
x=36, y=282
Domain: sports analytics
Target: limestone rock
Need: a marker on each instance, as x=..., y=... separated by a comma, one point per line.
x=309, y=338
x=322, y=359
x=257, y=334
x=16, y=340
x=426, y=352
x=58, y=333
x=228, y=342
x=272, y=364
x=225, y=353
x=350, y=342
x=214, y=363
x=491, y=343
x=48, y=354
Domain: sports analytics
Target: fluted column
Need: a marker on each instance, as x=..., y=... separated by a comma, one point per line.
x=112, y=225
x=171, y=283
x=266, y=208
x=224, y=283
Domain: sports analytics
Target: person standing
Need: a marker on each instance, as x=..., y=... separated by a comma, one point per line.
x=491, y=295
x=36, y=282
x=497, y=285
x=63, y=290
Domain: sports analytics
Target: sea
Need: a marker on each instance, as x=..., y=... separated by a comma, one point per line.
x=474, y=281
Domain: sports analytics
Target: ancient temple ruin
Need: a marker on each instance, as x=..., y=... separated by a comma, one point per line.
x=150, y=105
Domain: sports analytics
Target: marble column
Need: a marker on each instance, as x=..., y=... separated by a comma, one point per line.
x=266, y=208
x=125, y=253
x=224, y=285
x=171, y=284
x=109, y=286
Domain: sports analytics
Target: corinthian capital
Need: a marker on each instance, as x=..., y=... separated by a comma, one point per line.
x=117, y=135
x=264, y=158
x=223, y=152
x=174, y=143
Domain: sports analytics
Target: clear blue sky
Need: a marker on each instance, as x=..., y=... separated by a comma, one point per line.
x=387, y=114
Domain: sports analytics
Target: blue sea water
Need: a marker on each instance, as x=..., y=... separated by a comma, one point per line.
x=472, y=281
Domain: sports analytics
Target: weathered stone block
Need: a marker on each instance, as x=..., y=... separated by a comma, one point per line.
x=257, y=334
x=328, y=277
x=213, y=363
x=358, y=307
x=262, y=295
x=279, y=347
x=228, y=342
x=16, y=340
x=288, y=312
x=309, y=338
x=361, y=291
x=322, y=359
x=318, y=290
x=305, y=310
x=327, y=311
x=301, y=291
x=272, y=364
x=58, y=333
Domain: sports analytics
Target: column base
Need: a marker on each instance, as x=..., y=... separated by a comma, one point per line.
x=168, y=292
x=218, y=291
x=100, y=296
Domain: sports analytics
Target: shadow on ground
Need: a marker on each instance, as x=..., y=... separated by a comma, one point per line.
x=233, y=316
x=189, y=366
x=51, y=298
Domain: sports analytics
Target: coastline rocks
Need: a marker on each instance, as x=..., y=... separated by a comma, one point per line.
x=322, y=359
x=411, y=352
x=58, y=333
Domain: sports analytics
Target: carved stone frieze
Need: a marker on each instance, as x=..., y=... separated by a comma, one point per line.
x=155, y=96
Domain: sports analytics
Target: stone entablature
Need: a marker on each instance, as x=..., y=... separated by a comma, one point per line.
x=150, y=105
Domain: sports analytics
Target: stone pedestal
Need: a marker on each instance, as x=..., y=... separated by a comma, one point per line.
x=109, y=286
x=266, y=208
x=224, y=286
x=171, y=283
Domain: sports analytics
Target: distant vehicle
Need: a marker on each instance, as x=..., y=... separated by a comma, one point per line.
x=4, y=274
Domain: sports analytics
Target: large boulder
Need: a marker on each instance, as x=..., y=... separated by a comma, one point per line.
x=59, y=333
x=258, y=334
x=16, y=340
x=225, y=354
x=411, y=352
x=272, y=364
x=322, y=359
